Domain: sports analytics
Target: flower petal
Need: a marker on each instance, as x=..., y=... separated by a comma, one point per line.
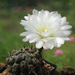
x=32, y=35
x=39, y=44
x=66, y=27
x=26, y=17
x=58, y=41
x=49, y=45
x=45, y=34
x=25, y=39
x=34, y=40
x=24, y=33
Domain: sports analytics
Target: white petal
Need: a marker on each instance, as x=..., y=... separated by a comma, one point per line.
x=26, y=17
x=59, y=34
x=25, y=39
x=45, y=34
x=44, y=39
x=34, y=40
x=49, y=45
x=24, y=33
x=32, y=35
x=58, y=41
x=63, y=21
x=66, y=27
x=45, y=47
x=62, y=33
x=30, y=29
x=67, y=32
x=39, y=44
x=24, y=23
x=66, y=39
x=35, y=12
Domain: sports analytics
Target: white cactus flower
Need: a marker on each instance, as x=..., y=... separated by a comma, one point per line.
x=45, y=29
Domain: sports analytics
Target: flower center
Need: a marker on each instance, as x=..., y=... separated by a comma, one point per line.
x=43, y=28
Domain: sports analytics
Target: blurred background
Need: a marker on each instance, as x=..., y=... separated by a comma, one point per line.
x=13, y=11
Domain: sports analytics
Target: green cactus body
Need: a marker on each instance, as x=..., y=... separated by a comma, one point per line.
x=25, y=61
